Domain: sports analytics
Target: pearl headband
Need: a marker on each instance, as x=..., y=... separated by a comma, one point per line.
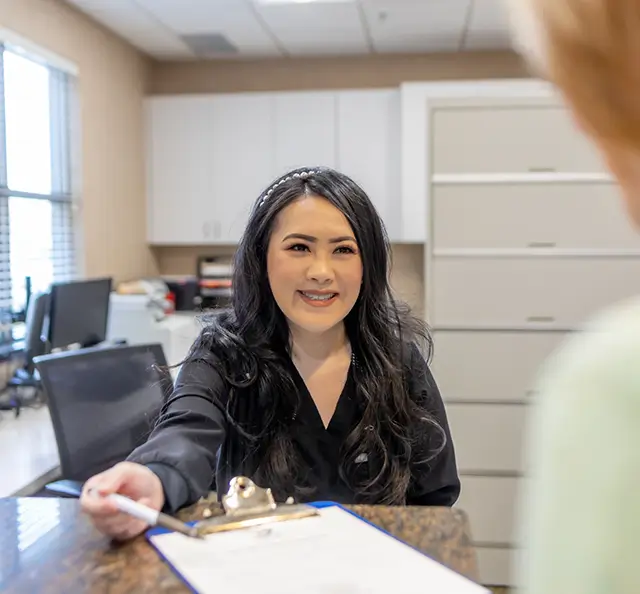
x=284, y=180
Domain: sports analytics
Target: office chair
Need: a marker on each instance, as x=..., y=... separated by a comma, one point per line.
x=35, y=345
x=104, y=402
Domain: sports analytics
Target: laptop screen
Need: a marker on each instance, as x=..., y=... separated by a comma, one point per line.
x=103, y=405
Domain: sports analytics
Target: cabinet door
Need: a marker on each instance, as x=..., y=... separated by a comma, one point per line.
x=534, y=216
x=488, y=437
x=242, y=159
x=551, y=293
x=180, y=178
x=369, y=149
x=510, y=139
x=482, y=356
x=305, y=130
x=490, y=503
x=495, y=565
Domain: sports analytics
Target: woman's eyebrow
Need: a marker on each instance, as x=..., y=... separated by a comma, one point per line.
x=313, y=239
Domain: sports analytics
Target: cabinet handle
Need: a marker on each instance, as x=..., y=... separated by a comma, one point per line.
x=542, y=244
x=541, y=319
x=206, y=230
x=542, y=169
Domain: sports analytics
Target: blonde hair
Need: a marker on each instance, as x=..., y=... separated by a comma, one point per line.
x=590, y=49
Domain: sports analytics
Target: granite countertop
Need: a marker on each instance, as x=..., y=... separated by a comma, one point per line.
x=48, y=546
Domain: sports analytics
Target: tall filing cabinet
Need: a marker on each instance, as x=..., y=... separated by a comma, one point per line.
x=527, y=238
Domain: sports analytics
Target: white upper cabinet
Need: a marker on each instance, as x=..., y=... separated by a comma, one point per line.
x=369, y=149
x=305, y=130
x=243, y=159
x=180, y=177
x=210, y=156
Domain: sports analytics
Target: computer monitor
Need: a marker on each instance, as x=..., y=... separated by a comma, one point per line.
x=104, y=402
x=78, y=313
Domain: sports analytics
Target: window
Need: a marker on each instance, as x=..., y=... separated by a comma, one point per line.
x=36, y=207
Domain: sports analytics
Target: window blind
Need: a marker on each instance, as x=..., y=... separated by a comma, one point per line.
x=36, y=199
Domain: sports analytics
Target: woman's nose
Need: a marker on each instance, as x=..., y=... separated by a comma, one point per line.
x=320, y=270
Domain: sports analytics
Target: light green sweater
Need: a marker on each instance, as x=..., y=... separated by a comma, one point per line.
x=580, y=511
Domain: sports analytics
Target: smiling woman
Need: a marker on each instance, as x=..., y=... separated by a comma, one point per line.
x=313, y=383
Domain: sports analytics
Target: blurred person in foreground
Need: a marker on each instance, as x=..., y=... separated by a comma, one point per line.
x=580, y=512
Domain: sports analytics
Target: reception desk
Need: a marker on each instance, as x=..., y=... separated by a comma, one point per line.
x=48, y=546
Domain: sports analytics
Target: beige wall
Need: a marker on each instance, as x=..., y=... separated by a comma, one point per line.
x=113, y=79
x=330, y=73
x=327, y=73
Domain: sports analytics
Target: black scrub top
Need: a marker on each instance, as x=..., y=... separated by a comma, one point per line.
x=193, y=448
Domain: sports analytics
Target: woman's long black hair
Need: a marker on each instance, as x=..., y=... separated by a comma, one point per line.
x=249, y=346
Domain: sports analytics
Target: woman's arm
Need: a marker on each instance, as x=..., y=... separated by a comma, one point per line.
x=435, y=482
x=580, y=510
x=183, y=446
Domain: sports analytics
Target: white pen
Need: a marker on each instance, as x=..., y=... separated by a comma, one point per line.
x=148, y=515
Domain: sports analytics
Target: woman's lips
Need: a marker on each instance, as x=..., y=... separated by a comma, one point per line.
x=318, y=298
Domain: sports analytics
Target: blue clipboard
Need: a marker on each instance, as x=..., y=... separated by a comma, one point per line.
x=158, y=531
x=318, y=505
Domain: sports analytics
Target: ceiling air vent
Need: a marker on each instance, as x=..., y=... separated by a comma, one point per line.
x=210, y=45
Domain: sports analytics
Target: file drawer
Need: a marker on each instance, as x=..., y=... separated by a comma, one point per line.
x=514, y=292
x=490, y=503
x=495, y=566
x=490, y=366
x=487, y=438
x=509, y=139
x=531, y=216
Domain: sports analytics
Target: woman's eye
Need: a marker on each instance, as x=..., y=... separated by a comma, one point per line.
x=345, y=249
x=298, y=247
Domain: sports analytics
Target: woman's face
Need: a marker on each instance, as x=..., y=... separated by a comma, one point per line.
x=313, y=264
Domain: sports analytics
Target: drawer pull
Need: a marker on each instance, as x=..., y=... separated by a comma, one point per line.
x=542, y=244
x=542, y=169
x=541, y=319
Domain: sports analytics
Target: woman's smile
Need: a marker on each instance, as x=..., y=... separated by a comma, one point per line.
x=318, y=298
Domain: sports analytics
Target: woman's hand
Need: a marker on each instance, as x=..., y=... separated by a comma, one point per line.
x=131, y=480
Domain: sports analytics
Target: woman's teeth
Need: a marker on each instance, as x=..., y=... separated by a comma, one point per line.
x=325, y=297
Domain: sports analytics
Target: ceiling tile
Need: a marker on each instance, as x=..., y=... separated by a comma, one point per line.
x=416, y=25
x=234, y=19
x=134, y=24
x=488, y=15
x=324, y=28
x=488, y=26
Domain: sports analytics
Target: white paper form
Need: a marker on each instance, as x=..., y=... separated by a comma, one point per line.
x=333, y=553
